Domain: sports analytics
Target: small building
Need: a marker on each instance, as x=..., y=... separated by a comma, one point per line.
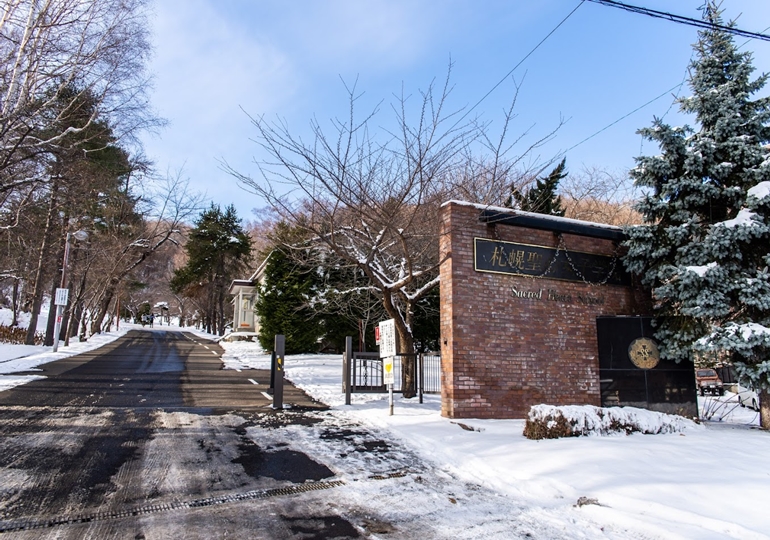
x=244, y=293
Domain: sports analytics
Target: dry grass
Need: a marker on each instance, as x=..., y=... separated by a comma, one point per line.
x=17, y=336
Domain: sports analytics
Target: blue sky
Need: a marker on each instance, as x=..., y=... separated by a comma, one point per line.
x=215, y=59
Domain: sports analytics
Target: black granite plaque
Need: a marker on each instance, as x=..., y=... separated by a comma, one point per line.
x=545, y=262
x=665, y=386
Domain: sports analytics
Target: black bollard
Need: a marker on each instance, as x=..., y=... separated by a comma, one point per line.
x=280, y=342
x=272, y=374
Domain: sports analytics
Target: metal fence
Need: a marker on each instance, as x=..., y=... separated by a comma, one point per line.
x=366, y=373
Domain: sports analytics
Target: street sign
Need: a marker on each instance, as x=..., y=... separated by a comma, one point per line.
x=387, y=371
x=62, y=295
x=387, y=338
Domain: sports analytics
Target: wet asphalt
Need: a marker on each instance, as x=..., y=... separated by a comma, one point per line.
x=153, y=368
x=80, y=440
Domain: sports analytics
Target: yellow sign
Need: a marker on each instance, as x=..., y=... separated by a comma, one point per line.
x=387, y=371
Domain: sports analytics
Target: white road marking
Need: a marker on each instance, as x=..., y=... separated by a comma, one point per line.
x=268, y=396
x=205, y=347
x=214, y=353
x=252, y=381
x=238, y=370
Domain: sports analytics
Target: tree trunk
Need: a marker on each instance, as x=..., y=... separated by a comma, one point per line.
x=49, y=327
x=37, y=291
x=15, y=303
x=71, y=317
x=77, y=308
x=405, y=347
x=221, y=309
x=83, y=327
x=764, y=408
x=104, y=306
x=408, y=365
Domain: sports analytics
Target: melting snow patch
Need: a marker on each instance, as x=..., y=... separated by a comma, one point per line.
x=743, y=218
x=761, y=190
x=701, y=270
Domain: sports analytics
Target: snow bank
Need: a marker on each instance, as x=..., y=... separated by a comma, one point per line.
x=551, y=422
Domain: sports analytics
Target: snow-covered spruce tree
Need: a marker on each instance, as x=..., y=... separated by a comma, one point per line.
x=703, y=249
x=738, y=277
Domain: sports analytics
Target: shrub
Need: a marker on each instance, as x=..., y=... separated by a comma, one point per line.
x=16, y=335
x=549, y=422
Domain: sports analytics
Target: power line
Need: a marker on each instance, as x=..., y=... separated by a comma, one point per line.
x=679, y=86
x=623, y=117
x=682, y=20
x=536, y=47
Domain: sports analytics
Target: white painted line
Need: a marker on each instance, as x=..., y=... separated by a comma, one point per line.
x=268, y=396
x=238, y=370
x=214, y=353
x=205, y=347
x=252, y=381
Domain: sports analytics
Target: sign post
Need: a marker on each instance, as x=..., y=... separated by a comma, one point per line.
x=60, y=301
x=62, y=293
x=388, y=353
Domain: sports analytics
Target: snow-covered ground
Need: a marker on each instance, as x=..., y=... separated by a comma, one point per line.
x=19, y=358
x=708, y=481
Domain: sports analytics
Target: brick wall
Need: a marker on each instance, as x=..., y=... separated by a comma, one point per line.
x=500, y=353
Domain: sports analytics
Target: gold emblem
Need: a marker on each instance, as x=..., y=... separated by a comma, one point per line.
x=644, y=353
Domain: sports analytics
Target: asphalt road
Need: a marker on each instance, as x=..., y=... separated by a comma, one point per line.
x=153, y=368
x=150, y=424
x=149, y=438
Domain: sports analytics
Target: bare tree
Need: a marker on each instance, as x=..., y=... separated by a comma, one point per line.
x=48, y=48
x=372, y=200
x=165, y=211
x=600, y=196
x=72, y=82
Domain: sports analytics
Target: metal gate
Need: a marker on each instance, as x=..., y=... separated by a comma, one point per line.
x=366, y=373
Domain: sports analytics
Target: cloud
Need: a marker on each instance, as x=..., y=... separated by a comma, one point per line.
x=207, y=66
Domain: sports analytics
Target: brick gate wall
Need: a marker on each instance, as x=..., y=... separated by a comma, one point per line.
x=502, y=354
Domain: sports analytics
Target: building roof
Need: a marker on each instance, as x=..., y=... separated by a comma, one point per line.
x=518, y=218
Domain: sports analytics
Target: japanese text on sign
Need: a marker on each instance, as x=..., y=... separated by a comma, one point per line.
x=62, y=295
x=387, y=338
x=545, y=262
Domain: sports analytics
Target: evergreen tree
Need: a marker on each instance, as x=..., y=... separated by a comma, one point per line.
x=703, y=251
x=542, y=197
x=218, y=249
x=427, y=322
x=283, y=304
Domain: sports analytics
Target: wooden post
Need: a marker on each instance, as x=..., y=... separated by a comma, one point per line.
x=280, y=346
